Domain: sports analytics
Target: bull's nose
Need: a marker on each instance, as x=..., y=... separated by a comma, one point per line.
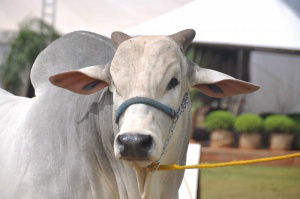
x=134, y=146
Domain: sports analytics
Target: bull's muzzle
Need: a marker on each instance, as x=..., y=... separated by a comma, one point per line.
x=134, y=146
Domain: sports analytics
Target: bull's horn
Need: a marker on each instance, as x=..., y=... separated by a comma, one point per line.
x=118, y=37
x=184, y=38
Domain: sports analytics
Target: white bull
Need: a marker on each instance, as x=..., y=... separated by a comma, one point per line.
x=64, y=145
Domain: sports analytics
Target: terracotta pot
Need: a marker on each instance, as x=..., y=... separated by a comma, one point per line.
x=281, y=141
x=221, y=139
x=250, y=140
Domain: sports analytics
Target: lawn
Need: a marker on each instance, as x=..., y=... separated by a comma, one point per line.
x=250, y=182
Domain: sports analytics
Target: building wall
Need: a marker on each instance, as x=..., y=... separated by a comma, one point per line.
x=278, y=75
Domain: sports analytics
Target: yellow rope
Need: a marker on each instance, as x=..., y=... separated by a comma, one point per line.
x=224, y=164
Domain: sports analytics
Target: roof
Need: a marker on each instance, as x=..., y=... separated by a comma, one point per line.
x=270, y=24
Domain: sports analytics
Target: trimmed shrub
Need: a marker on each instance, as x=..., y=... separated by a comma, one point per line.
x=280, y=124
x=248, y=123
x=219, y=120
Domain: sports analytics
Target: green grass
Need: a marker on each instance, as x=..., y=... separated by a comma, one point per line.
x=250, y=182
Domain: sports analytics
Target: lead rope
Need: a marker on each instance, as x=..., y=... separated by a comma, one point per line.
x=222, y=164
x=156, y=164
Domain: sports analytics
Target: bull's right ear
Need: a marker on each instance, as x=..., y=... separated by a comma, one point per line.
x=216, y=84
x=85, y=81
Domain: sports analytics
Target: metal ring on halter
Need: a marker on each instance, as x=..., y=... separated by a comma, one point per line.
x=153, y=163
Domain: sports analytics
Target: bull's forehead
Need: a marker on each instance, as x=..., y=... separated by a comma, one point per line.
x=145, y=62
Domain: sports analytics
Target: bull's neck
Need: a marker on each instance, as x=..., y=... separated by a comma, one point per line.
x=161, y=184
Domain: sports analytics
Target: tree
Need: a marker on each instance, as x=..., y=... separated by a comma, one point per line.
x=34, y=35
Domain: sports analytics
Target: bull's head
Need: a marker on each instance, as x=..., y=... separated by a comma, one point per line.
x=152, y=67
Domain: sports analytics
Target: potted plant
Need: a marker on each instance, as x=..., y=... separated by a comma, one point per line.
x=249, y=126
x=220, y=123
x=281, y=128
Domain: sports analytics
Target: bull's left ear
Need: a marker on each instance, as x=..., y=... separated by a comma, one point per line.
x=216, y=84
x=85, y=81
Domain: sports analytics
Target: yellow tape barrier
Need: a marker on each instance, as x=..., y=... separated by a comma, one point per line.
x=224, y=164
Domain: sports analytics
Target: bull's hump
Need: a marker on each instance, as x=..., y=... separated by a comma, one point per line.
x=70, y=52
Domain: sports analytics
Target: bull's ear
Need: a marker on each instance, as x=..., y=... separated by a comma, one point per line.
x=216, y=84
x=85, y=81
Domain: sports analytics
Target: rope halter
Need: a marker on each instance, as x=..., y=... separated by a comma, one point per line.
x=166, y=109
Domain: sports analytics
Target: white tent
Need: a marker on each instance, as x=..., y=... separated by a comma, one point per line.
x=270, y=25
x=252, y=23
x=100, y=16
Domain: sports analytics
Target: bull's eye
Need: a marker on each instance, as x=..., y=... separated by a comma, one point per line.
x=173, y=83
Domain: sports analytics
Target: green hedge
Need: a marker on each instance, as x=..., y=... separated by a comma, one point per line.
x=248, y=123
x=219, y=120
x=280, y=124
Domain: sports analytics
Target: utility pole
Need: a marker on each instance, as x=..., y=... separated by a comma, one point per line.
x=48, y=14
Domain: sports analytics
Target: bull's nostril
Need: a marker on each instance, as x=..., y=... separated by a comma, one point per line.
x=146, y=143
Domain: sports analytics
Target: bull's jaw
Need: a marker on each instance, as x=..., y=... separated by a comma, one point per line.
x=141, y=177
x=149, y=183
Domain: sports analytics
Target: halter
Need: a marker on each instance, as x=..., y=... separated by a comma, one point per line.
x=144, y=100
x=166, y=109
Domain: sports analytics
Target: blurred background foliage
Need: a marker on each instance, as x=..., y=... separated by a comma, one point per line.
x=248, y=123
x=33, y=36
x=219, y=120
x=202, y=58
x=280, y=124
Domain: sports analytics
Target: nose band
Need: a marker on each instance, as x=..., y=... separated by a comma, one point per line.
x=144, y=100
